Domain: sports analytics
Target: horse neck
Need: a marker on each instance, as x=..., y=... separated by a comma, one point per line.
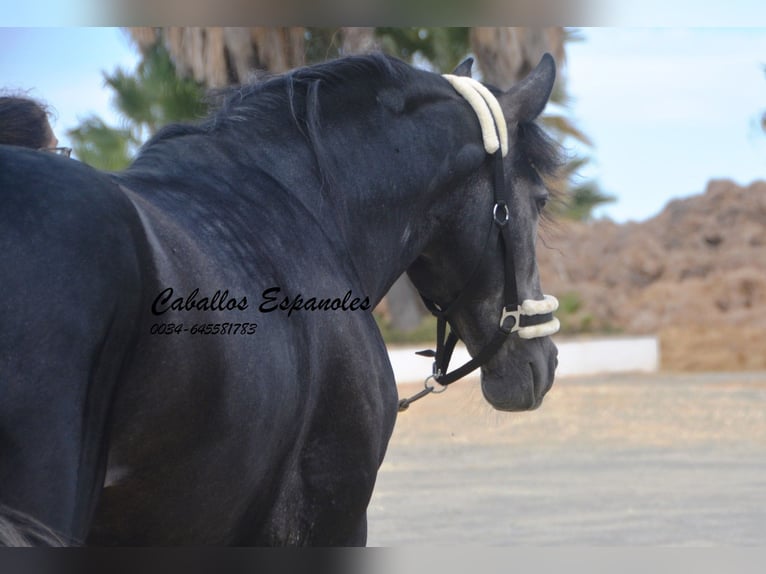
x=377, y=188
x=392, y=195
x=364, y=208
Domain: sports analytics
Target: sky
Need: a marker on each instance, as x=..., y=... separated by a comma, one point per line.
x=667, y=109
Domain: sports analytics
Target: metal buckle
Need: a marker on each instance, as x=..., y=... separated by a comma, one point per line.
x=507, y=214
x=435, y=377
x=516, y=314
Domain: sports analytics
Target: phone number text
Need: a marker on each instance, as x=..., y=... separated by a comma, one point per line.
x=204, y=329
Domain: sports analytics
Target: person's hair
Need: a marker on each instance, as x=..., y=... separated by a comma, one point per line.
x=24, y=122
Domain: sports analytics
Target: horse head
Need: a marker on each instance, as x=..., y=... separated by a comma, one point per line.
x=479, y=272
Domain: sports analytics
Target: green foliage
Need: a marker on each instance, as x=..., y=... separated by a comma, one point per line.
x=439, y=48
x=321, y=44
x=582, y=199
x=101, y=146
x=573, y=318
x=442, y=48
x=155, y=96
x=147, y=99
x=579, y=198
x=424, y=334
x=577, y=320
x=569, y=303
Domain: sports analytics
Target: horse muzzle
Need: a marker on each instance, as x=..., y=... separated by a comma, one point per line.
x=519, y=379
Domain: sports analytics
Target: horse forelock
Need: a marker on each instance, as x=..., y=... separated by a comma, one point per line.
x=536, y=148
x=535, y=152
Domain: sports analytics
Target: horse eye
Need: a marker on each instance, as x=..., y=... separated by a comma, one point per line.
x=541, y=202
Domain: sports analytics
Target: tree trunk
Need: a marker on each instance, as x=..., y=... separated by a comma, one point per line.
x=359, y=41
x=506, y=55
x=404, y=306
x=217, y=56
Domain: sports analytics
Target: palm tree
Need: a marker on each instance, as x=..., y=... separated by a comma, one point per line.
x=151, y=97
x=218, y=56
x=505, y=56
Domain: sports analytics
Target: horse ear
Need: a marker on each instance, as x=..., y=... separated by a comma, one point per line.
x=527, y=99
x=464, y=68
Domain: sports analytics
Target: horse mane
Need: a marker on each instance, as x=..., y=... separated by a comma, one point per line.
x=263, y=100
x=262, y=103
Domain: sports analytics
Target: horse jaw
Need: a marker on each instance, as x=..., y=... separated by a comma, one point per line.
x=518, y=380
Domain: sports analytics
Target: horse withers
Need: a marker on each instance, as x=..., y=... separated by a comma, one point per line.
x=187, y=352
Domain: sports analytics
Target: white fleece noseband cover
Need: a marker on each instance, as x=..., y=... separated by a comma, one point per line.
x=529, y=307
x=494, y=132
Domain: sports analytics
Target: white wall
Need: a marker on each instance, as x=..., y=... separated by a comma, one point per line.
x=576, y=357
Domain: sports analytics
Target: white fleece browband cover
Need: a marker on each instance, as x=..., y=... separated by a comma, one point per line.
x=539, y=307
x=494, y=132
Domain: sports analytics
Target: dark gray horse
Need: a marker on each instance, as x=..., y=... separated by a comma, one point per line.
x=187, y=354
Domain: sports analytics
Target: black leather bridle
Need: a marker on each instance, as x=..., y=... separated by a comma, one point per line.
x=512, y=318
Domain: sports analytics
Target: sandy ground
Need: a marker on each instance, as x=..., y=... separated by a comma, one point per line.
x=664, y=459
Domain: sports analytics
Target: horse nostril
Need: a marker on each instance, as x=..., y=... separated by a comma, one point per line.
x=534, y=386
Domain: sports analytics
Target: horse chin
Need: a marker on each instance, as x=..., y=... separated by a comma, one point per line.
x=523, y=380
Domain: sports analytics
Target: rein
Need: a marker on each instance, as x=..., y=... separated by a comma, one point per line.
x=531, y=318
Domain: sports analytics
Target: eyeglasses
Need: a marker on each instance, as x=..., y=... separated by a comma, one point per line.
x=65, y=151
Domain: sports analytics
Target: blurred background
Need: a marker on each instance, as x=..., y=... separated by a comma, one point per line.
x=662, y=228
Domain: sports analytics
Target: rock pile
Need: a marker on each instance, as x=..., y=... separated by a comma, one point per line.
x=695, y=274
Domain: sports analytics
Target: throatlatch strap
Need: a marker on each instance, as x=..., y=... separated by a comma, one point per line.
x=482, y=357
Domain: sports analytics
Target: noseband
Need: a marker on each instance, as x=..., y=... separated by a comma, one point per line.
x=530, y=318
